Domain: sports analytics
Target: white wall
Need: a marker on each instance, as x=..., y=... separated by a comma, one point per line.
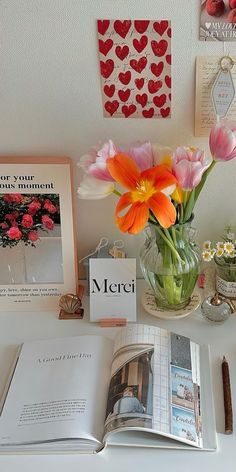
x=50, y=100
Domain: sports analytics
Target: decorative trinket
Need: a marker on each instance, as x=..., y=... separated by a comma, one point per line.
x=71, y=306
x=223, y=91
x=217, y=309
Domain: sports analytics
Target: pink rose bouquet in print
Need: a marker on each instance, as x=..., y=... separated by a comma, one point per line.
x=22, y=216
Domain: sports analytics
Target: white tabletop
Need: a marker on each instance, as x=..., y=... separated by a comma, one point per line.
x=18, y=327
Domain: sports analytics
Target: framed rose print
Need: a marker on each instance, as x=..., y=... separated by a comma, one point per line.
x=37, y=243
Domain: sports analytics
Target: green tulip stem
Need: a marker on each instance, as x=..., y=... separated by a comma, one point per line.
x=117, y=193
x=169, y=243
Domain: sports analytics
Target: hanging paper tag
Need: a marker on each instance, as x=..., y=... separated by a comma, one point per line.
x=223, y=91
x=116, y=253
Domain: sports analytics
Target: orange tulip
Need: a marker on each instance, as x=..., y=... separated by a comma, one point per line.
x=147, y=192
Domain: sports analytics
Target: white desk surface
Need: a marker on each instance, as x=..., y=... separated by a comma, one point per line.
x=18, y=327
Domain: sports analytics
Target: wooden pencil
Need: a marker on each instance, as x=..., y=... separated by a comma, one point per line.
x=227, y=397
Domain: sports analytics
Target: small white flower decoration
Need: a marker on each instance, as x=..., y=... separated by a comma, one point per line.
x=220, y=245
x=228, y=247
x=206, y=245
x=225, y=249
x=219, y=252
x=206, y=255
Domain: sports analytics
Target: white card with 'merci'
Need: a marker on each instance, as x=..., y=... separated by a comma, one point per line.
x=112, y=289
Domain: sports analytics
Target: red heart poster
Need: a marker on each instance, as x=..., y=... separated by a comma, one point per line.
x=135, y=68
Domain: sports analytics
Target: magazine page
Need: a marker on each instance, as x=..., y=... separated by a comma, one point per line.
x=155, y=384
x=58, y=391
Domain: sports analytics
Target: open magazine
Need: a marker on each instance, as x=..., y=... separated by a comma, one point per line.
x=148, y=387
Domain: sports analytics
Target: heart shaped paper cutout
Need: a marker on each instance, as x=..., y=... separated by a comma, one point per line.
x=124, y=95
x=125, y=77
x=157, y=69
x=141, y=25
x=103, y=26
x=106, y=68
x=140, y=44
x=148, y=113
x=169, y=32
x=122, y=27
x=168, y=81
x=105, y=46
x=139, y=83
x=159, y=101
x=168, y=59
x=111, y=107
x=159, y=48
x=109, y=90
x=142, y=99
x=139, y=65
x=165, y=112
x=122, y=52
x=160, y=26
x=128, y=110
x=154, y=86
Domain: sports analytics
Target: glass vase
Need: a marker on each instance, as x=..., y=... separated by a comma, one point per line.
x=170, y=262
x=225, y=278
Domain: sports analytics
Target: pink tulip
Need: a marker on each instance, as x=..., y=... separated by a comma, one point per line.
x=188, y=166
x=95, y=164
x=223, y=141
x=141, y=153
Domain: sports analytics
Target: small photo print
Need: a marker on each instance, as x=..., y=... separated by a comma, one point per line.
x=130, y=396
x=182, y=388
x=30, y=239
x=184, y=424
x=218, y=20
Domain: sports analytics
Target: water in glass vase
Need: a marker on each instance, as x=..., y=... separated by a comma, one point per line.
x=170, y=263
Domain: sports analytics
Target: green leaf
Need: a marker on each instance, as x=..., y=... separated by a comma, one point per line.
x=188, y=210
x=199, y=187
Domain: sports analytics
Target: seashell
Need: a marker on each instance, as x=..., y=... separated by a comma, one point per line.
x=70, y=303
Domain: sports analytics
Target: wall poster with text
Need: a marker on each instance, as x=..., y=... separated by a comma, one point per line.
x=37, y=251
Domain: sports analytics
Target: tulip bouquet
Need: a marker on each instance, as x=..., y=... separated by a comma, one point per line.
x=22, y=216
x=162, y=187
